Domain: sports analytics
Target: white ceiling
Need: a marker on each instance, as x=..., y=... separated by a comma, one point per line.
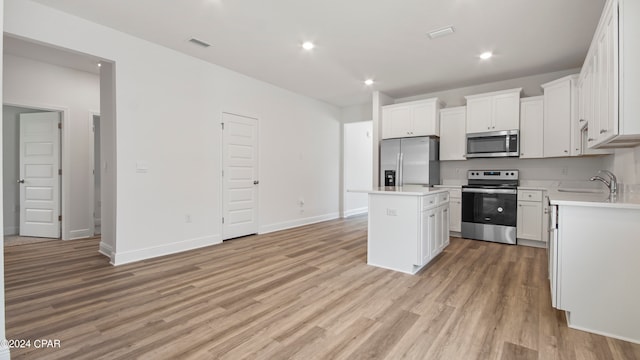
x=356, y=39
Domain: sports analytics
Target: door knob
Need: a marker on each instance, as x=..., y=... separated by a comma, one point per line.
x=256, y=182
x=21, y=181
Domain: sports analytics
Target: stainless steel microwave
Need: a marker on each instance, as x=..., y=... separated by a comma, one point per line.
x=493, y=144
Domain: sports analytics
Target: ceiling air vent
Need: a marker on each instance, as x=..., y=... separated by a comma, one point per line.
x=441, y=32
x=199, y=42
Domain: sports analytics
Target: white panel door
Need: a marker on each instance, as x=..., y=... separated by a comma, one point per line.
x=240, y=176
x=39, y=179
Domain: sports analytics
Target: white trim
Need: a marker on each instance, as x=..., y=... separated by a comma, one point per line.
x=222, y=166
x=532, y=243
x=125, y=257
x=92, y=166
x=106, y=250
x=298, y=222
x=11, y=230
x=65, y=158
x=80, y=234
x=4, y=353
x=603, y=333
x=358, y=211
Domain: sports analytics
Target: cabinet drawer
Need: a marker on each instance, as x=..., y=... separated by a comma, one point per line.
x=529, y=195
x=455, y=193
x=443, y=197
x=429, y=201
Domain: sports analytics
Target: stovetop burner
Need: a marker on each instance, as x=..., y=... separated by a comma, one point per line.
x=493, y=178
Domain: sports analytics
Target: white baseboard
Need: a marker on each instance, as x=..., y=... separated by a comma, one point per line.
x=11, y=230
x=598, y=332
x=532, y=243
x=4, y=354
x=79, y=234
x=358, y=211
x=106, y=250
x=125, y=257
x=297, y=222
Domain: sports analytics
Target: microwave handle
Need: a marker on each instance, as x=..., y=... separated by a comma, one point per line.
x=506, y=145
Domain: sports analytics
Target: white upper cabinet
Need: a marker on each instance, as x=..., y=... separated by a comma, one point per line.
x=531, y=127
x=415, y=118
x=452, y=133
x=610, y=77
x=560, y=116
x=494, y=111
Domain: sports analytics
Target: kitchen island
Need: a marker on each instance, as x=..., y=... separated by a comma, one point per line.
x=593, y=261
x=408, y=227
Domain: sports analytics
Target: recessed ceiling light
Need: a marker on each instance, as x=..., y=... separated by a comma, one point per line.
x=99, y=64
x=486, y=55
x=368, y=82
x=308, y=45
x=441, y=32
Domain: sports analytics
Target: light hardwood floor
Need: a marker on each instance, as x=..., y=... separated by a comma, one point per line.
x=304, y=293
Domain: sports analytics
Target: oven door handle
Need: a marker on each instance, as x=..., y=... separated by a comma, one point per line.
x=490, y=191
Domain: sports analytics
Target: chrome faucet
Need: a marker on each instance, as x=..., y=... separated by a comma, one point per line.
x=612, y=184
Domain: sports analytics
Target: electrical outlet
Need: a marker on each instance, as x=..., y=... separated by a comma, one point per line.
x=301, y=202
x=565, y=170
x=187, y=218
x=392, y=212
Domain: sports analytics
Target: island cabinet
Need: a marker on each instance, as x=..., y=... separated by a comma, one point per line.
x=407, y=229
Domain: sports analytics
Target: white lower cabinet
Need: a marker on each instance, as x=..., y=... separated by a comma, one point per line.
x=530, y=216
x=455, y=208
x=593, y=267
x=406, y=231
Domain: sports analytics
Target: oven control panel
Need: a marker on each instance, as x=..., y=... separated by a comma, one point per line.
x=492, y=174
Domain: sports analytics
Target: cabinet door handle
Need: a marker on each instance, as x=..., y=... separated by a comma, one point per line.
x=566, y=151
x=581, y=120
x=432, y=215
x=589, y=139
x=603, y=131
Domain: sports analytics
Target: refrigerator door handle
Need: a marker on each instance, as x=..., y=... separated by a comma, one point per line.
x=401, y=166
x=397, y=168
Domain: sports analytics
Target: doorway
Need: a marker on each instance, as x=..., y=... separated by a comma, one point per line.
x=239, y=176
x=31, y=178
x=95, y=172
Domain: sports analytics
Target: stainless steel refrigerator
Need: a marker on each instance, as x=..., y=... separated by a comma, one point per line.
x=410, y=161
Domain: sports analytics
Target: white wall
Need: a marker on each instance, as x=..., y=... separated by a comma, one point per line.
x=168, y=111
x=625, y=164
x=4, y=353
x=530, y=87
x=357, y=113
x=11, y=167
x=32, y=83
x=358, y=161
x=531, y=170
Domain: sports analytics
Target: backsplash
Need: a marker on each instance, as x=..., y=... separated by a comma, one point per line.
x=532, y=171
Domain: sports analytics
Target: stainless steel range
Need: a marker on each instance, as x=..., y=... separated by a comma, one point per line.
x=489, y=205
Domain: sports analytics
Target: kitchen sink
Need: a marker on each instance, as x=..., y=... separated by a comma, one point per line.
x=582, y=191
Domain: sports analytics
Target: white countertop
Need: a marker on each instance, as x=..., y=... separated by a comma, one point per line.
x=402, y=190
x=448, y=186
x=623, y=200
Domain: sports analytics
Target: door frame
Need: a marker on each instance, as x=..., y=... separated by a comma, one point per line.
x=92, y=166
x=65, y=159
x=221, y=157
